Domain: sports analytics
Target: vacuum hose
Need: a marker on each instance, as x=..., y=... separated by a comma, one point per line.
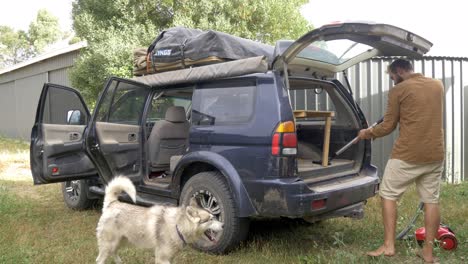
x=410, y=225
x=347, y=146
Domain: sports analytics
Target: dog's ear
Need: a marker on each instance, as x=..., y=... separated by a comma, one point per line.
x=192, y=214
x=193, y=202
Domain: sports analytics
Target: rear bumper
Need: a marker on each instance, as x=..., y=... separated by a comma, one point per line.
x=293, y=197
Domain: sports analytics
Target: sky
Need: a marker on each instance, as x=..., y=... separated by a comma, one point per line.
x=441, y=22
x=20, y=13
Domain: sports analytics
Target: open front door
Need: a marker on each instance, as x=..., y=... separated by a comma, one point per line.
x=57, y=151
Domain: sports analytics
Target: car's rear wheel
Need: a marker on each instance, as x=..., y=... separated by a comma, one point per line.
x=213, y=194
x=75, y=195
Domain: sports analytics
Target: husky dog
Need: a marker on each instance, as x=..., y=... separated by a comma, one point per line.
x=165, y=229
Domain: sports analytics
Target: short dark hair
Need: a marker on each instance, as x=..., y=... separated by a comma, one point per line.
x=400, y=64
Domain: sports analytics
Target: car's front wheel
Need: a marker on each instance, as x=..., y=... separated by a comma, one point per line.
x=213, y=194
x=75, y=195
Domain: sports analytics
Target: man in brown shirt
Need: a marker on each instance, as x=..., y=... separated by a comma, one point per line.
x=416, y=102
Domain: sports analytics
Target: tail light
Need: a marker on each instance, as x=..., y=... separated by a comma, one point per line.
x=318, y=204
x=55, y=170
x=284, y=140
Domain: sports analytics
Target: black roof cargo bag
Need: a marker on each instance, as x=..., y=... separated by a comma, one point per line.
x=181, y=47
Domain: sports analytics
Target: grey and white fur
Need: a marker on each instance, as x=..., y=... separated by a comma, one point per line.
x=165, y=229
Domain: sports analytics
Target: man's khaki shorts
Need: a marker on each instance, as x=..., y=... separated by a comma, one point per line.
x=399, y=175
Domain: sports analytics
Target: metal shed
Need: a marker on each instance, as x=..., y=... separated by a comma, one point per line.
x=21, y=85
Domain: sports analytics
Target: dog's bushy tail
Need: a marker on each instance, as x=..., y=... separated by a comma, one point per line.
x=115, y=187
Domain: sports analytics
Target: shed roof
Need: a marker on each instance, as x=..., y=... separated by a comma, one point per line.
x=45, y=56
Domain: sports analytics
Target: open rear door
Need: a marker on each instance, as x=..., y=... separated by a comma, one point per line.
x=334, y=48
x=115, y=138
x=57, y=151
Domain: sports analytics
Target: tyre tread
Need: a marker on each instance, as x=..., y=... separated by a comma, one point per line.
x=239, y=225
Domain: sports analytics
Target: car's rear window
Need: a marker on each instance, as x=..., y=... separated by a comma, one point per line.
x=334, y=52
x=223, y=103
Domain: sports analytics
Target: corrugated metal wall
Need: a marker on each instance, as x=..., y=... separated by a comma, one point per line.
x=370, y=85
x=7, y=109
x=27, y=92
x=60, y=76
x=20, y=91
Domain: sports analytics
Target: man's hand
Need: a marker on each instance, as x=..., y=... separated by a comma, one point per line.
x=364, y=134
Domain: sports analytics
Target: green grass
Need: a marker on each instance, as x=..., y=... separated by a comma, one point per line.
x=13, y=145
x=36, y=227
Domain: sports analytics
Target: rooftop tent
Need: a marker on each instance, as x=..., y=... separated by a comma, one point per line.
x=181, y=47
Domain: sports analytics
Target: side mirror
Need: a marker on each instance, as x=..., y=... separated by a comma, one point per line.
x=75, y=117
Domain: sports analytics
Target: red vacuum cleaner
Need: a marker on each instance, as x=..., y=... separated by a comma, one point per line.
x=445, y=235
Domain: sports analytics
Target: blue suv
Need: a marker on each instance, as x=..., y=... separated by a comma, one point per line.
x=248, y=138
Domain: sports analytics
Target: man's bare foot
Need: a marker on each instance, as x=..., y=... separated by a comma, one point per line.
x=383, y=250
x=426, y=254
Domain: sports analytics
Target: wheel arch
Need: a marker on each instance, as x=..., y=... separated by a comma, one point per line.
x=196, y=162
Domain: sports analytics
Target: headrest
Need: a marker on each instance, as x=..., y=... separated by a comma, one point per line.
x=175, y=114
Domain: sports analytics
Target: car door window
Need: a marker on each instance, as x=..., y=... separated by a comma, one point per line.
x=123, y=104
x=64, y=107
x=128, y=107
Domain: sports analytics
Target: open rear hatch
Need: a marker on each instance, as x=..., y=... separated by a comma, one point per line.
x=334, y=48
x=312, y=63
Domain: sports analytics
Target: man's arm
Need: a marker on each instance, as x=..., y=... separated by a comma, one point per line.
x=391, y=118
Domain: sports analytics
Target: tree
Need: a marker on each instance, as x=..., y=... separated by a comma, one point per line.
x=44, y=31
x=262, y=20
x=114, y=28
x=17, y=46
x=14, y=46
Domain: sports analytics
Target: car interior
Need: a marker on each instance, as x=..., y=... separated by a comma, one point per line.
x=312, y=97
x=167, y=133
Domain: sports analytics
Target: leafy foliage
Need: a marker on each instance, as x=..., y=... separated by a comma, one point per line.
x=17, y=46
x=44, y=30
x=114, y=28
x=14, y=46
x=262, y=20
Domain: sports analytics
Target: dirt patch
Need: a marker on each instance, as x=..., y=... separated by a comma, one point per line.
x=24, y=191
x=15, y=166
